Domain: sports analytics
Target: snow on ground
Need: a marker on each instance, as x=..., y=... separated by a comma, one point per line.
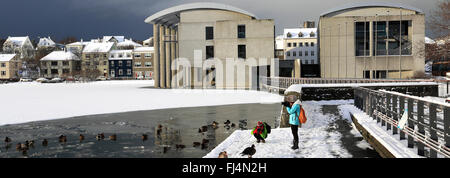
x=398, y=148
x=315, y=140
x=26, y=102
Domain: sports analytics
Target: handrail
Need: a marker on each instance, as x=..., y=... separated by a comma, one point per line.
x=388, y=107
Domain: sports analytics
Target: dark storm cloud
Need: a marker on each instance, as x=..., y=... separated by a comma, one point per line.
x=94, y=18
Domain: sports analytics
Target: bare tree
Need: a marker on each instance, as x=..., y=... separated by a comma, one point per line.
x=440, y=19
x=68, y=40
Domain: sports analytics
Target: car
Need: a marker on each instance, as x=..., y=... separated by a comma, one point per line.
x=101, y=78
x=25, y=80
x=42, y=80
x=57, y=80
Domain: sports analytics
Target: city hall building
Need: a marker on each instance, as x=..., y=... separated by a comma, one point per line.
x=219, y=35
x=371, y=40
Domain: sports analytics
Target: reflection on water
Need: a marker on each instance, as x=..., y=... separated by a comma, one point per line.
x=170, y=132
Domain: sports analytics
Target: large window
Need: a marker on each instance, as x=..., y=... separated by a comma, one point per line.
x=388, y=37
x=209, y=52
x=209, y=33
x=241, y=31
x=362, y=39
x=242, y=51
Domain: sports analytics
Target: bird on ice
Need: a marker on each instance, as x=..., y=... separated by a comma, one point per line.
x=250, y=151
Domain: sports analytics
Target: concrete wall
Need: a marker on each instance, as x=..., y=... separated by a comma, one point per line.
x=337, y=44
x=259, y=42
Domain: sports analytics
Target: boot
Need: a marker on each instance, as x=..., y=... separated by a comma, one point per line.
x=295, y=145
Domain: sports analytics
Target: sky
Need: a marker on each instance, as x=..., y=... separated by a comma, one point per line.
x=90, y=19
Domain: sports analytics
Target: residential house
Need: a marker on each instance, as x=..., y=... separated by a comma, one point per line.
x=19, y=45
x=95, y=56
x=143, y=62
x=9, y=66
x=121, y=64
x=61, y=64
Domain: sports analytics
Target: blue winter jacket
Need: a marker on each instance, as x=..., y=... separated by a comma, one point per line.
x=294, y=112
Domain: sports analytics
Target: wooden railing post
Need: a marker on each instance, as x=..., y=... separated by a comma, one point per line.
x=420, y=120
x=433, y=126
x=410, y=122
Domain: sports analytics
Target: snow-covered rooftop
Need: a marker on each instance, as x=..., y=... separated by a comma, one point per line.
x=118, y=38
x=305, y=32
x=83, y=43
x=128, y=43
x=98, y=47
x=144, y=49
x=115, y=54
x=6, y=57
x=46, y=42
x=60, y=56
x=19, y=41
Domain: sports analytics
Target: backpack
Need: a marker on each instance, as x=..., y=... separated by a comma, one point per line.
x=302, y=116
x=267, y=127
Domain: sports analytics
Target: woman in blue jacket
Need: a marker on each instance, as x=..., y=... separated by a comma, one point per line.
x=294, y=111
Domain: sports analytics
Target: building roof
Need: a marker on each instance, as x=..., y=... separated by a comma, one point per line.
x=46, y=42
x=82, y=43
x=144, y=49
x=115, y=54
x=98, y=47
x=171, y=16
x=357, y=5
x=128, y=43
x=118, y=38
x=306, y=32
x=6, y=57
x=60, y=56
x=19, y=41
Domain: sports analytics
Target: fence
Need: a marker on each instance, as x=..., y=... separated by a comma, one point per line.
x=428, y=125
x=284, y=82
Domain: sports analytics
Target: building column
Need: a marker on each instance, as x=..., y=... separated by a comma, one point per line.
x=156, y=55
x=162, y=59
x=172, y=53
x=168, y=56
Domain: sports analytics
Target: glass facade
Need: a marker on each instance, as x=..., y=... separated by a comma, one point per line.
x=388, y=37
x=362, y=38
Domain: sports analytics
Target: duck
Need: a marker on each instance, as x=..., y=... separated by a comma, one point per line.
x=223, y=154
x=62, y=138
x=81, y=137
x=165, y=149
x=31, y=144
x=249, y=151
x=196, y=144
x=227, y=122
x=24, y=146
x=100, y=136
x=18, y=146
x=204, y=128
x=7, y=140
x=45, y=142
x=113, y=137
x=233, y=125
x=180, y=146
x=159, y=129
x=144, y=137
x=215, y=125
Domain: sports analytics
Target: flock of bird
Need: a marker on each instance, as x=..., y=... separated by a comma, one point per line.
x=24, y=147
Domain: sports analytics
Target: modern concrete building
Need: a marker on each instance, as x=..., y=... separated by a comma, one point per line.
x=218, y=34
x=9, y=66
x=143, y=62
x=61, y=64
x=371, y=40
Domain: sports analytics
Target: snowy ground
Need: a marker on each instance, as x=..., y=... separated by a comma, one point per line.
x=315, y=138
x=25, y=102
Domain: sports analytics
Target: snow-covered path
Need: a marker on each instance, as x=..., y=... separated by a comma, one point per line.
x=317, y=138
x=26, y=102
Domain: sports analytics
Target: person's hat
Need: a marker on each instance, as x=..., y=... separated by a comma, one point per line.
x=290, y=98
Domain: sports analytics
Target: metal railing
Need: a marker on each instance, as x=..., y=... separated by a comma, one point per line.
x=285, y=82
x=428, y=126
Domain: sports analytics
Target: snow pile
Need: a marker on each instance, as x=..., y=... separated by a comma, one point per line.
x=398, y=148
x=25, y=102
x=315, y=139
